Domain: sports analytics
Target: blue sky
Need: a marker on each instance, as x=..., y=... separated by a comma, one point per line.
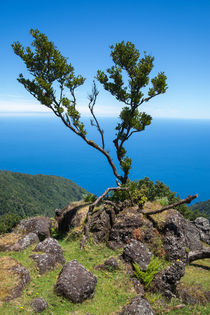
x=176, y=33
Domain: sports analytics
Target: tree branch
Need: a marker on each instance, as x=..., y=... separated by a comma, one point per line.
x=199, y=254
x=95, y=203
x=91, y=105
x=187, y=200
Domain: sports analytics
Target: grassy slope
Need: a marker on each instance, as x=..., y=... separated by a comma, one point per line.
x=113, y=290
x=29, y=195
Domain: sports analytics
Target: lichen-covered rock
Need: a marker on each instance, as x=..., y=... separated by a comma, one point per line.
x=167, y=280
x=39, y=305
x=137, y=252
x=38, y=225
x=180, y=236
x=75, y=282
x=203, y=226
x=137, y=306
x=27, y=240
x=17, y=242
x=109, y=264
x=122, y=230
x=13, y=278
x=51, y=246
x=100, y=226
x=138, y=287
x=45, y=262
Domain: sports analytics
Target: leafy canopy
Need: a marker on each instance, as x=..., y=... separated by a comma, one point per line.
x=54, y=83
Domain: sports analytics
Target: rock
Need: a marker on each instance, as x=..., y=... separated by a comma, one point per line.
x=51, y=246
x=39, y=305
x=38, y=225
x=100, y=226
x=137, y=306
x=180, y=236
x=185, y=296
x=45, y=262
x=28, y=240
x=203, y=226
x=138, y=287
x=75, y=283
x=122, y=230
x=167, y=280
x=13, y=278
x=137, y=252
x=71, y=216
x=109, y=264
x=17, y=242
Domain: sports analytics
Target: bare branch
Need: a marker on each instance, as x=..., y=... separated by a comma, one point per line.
x=187, y=200
x=91, y=105
x=95, y=203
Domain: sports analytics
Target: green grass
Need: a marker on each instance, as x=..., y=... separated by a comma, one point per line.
x=113, y=289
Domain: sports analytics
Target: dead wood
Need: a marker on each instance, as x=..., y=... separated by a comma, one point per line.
x=186, y=200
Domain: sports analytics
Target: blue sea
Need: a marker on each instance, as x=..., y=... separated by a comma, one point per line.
x=174, y=151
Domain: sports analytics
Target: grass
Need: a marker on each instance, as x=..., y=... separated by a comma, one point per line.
x=113, y=289
x=196, y=278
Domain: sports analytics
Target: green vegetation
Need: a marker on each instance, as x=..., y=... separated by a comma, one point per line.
x=203, y=207
x=113, y=290
x=23, y=195
x=148, y=190
x=147, y=276
x=52, y=80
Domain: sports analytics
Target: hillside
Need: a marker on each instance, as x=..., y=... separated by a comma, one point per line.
x=203, y=207
x=28, y=195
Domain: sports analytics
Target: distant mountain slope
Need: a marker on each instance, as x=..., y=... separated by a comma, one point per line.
x=203, y=207
x=29, y=195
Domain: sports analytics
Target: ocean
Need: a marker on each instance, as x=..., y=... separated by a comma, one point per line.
x=175, y=151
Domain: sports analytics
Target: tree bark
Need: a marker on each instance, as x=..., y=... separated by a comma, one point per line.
x=186, y=200
x=199, y=254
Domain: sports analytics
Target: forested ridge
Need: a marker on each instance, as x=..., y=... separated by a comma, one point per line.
x=24, y=195
x=203, y=207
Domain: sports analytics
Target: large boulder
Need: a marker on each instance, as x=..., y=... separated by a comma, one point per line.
x=71, y=216
x=137, y=252
x=137, y=306
x=180, y=236
x=13, y=278
x=203, y=226
x=51, y=246
x=167, y=280
x=75, y=283
x=123, y=228
x=38, y=225
x=100, y=226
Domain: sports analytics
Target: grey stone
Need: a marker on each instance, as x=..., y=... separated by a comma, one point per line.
x=38, y=225
x=109, y=264
x=45, y=262
x=180, y=236
x=137, y=306
x=167, y=280
x=137, y=252
x=39, y=305
x=75, y=283
x=203, y=226
x=51, y=246
x=28, y=240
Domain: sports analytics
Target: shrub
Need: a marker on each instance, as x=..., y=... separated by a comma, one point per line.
x=89, y=197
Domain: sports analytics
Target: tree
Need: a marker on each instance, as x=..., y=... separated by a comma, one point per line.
x=54, y=83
